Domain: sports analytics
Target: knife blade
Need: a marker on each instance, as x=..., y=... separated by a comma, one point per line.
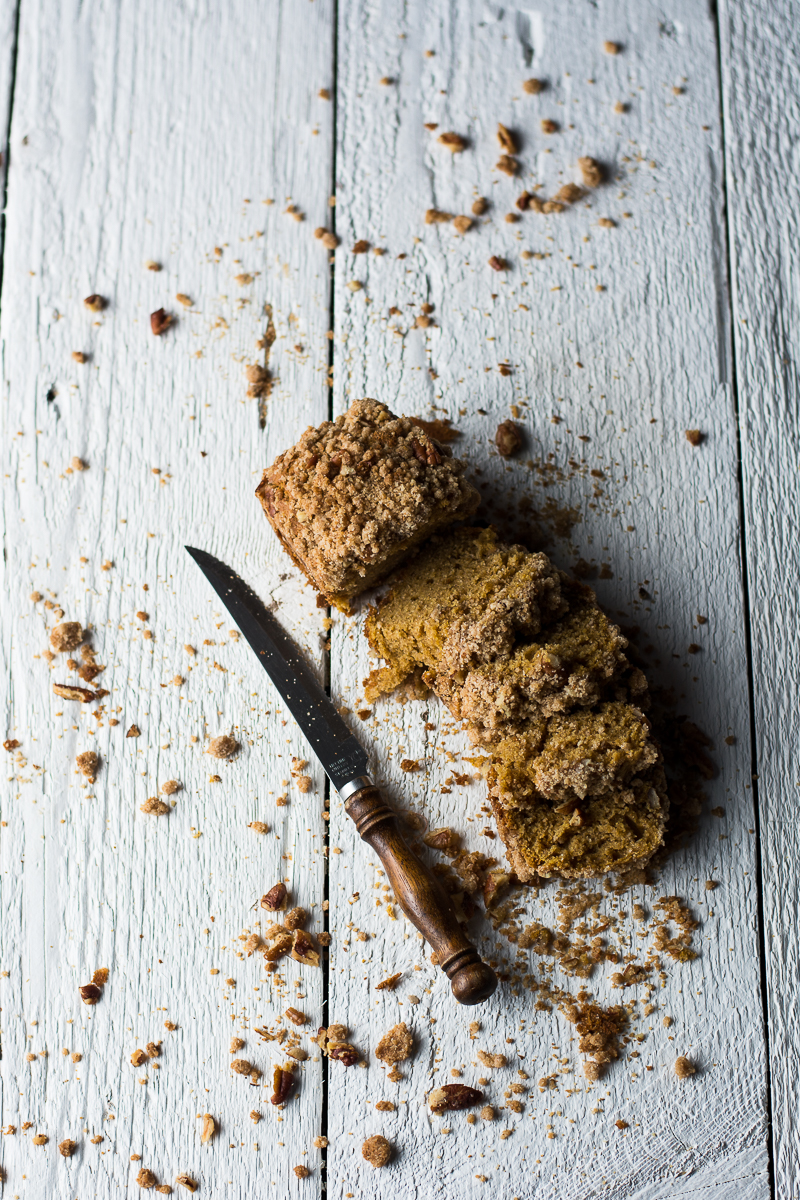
x=340, y=754
x=344, y=760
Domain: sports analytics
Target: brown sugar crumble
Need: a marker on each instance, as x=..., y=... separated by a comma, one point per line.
x=225, y=746
x=395, y=1045
x=684, y=1069
x=376, y=1150
x=88, y=764
x=355, y=495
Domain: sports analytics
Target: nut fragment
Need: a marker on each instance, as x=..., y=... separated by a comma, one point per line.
x=532, y=87
x=209, y=1128
x=496, y=882
x=67, y=692
x=282, y=1079
x=507, y=164
x=694, y=437
x=67, y=1148
x=445, y=839
x=187, y=1182
x=507, y=140
x=160, y=321
x=480, y=206
x=134, y=731
x=304, y=949
x=377, y=1150
x=296, y=1017
x=508, y=438
x=452, y=1096
x=95, y=303
x=497, y=263
x=462, y=224
x=454, y=142
x=138, y=1057
x=569, y=193
x=90, y=993
x=275, y=898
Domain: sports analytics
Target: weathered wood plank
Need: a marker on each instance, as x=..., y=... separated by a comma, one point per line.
x=144, y=131
x=609, y=379
x=760, y=47
x=8, y=23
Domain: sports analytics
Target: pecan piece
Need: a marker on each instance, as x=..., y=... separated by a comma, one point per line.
x=497, y=263
x=280, y=943
x=452, y=1096
x=160, y=321
x=67, y=692
x=95, y=303
x=495, y=883
x=343, y=1052
x=209, y=1128
x=508, y=439
x=187, y=1182
x=90, y=993
x=507, y=139
x=303, y=949
x=591, y=170
x=275, y=898
x=282, y=1080
x=427, y=453
x=444, y=839
x=454, y=142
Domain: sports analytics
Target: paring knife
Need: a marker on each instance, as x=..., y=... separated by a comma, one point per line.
x=344, y=760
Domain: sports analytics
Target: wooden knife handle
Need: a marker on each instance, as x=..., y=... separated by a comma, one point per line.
x=421, y=897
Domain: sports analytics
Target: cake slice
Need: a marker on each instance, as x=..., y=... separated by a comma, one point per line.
x=528, y=661
x=617, y=831
x=502, y=636
x=354, y=496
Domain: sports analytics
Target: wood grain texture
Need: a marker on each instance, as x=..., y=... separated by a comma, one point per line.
x=760, y=47
x=8, y=22
x=609, y=379
x=148, y=131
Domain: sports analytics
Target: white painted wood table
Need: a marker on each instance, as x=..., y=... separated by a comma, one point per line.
x=186, y=134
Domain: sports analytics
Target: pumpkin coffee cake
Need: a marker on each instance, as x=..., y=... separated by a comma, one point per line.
x=355, y=495
x=526, y=658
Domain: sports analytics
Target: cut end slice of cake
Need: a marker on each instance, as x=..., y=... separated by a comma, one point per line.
x=617, y=831
x=356, y=495
x=528, y=661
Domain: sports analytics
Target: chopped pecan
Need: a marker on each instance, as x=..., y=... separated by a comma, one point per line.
x=426, y=453
x=452, y=1096
x=278, y=945
x=297, y=1017
x=454, y=142
x=282, y=1079
x=343, y=1052
x=67, y=692
x=95, y=303
x=160, y=321
x=497, y=263
x=495, y=883
x=507, y=139
x=303, y=949
x=187, y=1182
x=444, y=839
x=209, y=1128
x=508, y=438
x=90, y=993
x=275, y=898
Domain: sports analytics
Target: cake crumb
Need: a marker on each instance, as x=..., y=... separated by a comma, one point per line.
x=684, y=1068
x=224, y=746
x=377, y=1150
x=532, y=87
x=395, y=1045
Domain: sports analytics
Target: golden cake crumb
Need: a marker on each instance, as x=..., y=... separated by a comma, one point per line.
x=395, y=1045
x=684, y=1068
x=377, y=1150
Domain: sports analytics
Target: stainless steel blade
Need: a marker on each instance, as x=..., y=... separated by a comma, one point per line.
x=341, y=755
